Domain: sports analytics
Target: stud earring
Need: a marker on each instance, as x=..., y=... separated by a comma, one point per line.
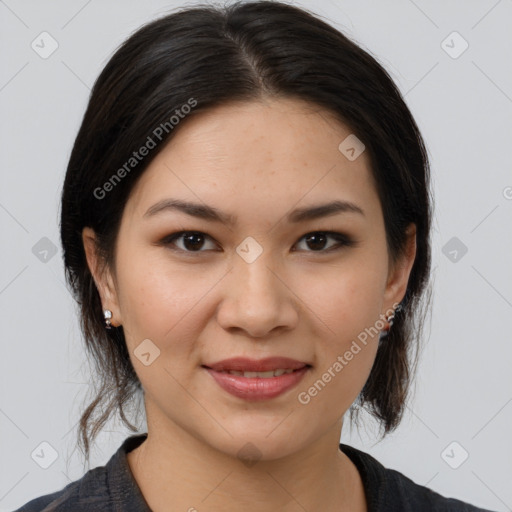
x=390, y=319
x=108, y=315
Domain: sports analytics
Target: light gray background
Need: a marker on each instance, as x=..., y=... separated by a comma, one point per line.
x=463, y=106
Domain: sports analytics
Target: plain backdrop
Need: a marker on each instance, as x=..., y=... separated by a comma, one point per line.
x=451, y=60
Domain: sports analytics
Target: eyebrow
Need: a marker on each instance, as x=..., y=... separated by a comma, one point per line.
x=212, y=214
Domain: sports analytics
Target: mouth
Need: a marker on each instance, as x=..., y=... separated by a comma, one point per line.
x=261, y=375
x=261, y=366
x=257, y=380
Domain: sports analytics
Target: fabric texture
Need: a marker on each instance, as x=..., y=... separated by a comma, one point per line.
x=112, y=488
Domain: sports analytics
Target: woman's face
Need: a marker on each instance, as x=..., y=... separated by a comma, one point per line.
x=252, y=285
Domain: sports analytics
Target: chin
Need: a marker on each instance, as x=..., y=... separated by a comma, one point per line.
x=252, y=445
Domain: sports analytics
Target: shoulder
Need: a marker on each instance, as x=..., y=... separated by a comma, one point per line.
x=106, y=488
x=388, y=489
x=418, y=497
x=70, y=498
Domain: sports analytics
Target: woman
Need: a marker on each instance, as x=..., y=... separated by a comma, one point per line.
x=245, y=221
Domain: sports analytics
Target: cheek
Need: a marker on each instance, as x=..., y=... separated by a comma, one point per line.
x=163, y=302
x=344, y=297
x=162, y=306
x=344, y=358
x=344, y=302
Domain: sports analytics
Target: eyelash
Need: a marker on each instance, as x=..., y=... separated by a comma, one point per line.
x=343, y=241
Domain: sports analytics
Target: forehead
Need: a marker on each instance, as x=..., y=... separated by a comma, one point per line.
x=265, y=153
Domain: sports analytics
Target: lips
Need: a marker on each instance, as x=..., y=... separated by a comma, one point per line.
x=255, y=380
x=243, y=364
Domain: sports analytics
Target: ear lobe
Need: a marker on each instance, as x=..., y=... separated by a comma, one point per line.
x=101, y=275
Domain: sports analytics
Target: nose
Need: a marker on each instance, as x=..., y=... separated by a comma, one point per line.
x=257, y=298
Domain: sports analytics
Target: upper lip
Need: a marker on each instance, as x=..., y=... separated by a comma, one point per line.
x=256, y=365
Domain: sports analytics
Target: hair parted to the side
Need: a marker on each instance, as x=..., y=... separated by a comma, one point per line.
x=241, y=52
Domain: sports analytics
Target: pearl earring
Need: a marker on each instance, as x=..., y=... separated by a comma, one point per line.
x=390, y=320
x=108, y=315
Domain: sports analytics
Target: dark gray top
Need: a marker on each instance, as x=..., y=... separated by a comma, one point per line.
x=112, y=488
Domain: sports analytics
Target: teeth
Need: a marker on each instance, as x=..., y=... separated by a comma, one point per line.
x=263, y=375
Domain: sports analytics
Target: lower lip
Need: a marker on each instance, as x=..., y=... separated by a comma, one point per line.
x=257, y=388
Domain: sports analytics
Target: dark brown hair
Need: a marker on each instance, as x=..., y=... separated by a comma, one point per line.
x=241, y=52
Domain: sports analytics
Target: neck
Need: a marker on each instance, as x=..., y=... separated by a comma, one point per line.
x=171, y=466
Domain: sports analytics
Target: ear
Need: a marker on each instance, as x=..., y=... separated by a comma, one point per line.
x=102, y=276
x=399, y=272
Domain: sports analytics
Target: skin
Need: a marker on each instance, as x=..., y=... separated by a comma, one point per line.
x=257, y=160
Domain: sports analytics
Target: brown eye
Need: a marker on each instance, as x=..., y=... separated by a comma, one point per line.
x=317, y=240
x=192, y=241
